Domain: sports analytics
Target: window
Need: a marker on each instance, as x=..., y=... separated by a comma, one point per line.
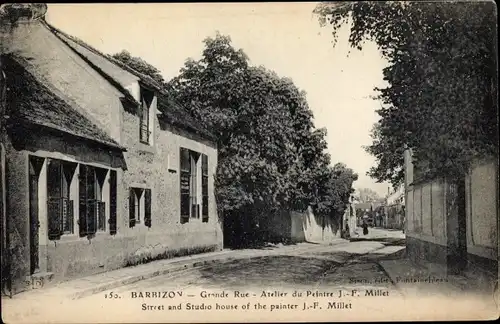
x=59, y=205
x=139, y=201
x=147, y=97
x=92, y=216
x=193, y=185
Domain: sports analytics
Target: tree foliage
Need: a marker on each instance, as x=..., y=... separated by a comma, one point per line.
x=441, y=98
x=270, y=154
x=367, y=195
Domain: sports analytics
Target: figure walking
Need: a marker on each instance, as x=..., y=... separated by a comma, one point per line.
x=365, y=225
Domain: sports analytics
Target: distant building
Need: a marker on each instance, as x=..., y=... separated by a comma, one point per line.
x=103, y=169
x=394, y=209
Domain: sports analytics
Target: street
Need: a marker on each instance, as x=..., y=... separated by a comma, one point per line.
x=315, y=270
x=347, y=265
x=283, y=280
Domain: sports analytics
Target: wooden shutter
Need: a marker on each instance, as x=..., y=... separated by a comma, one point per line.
x=112, y=203
x=92, y=210
x=92, y=203
x=101, y=215
x=54, y=212
x=185, y=175
x=204, y=187
x=87, y=219
x=54, y=199
x=131, y=207
x=147, y=207
x=70, y=215
x=82, y=217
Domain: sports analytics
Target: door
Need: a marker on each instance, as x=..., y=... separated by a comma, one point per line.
x=34, y=223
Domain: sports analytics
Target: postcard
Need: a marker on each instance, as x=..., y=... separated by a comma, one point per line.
x=249, y=162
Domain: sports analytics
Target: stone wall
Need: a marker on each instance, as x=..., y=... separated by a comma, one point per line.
x=433, y=229
x=302, y=227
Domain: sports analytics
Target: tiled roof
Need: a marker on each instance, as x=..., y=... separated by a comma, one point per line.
x=36, y=102
x=172, y=112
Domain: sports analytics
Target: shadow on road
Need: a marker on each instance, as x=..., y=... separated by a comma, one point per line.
x=384, y=240
x=268, y=271
x=256, y=245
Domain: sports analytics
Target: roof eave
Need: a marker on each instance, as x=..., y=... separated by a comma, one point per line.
x=65, y=131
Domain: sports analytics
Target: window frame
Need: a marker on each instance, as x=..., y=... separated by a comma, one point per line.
x=193, y=185
x=60, y=206
x=141, y=199
x=147, y=98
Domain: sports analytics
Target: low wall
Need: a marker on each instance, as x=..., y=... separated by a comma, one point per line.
x=74, y=258
x=302, y=227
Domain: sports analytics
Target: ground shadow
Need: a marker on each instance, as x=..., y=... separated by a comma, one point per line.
x=384, y=240
x=268, y=271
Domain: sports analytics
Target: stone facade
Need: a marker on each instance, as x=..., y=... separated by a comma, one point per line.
x=151, y=167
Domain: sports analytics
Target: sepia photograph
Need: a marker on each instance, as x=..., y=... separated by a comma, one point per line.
x=249, y=162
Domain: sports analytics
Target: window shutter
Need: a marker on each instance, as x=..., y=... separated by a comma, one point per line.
x=204, y=187
x=112, y=203
x=185, y=180
x=147, y=207
x=54, y=213
x=54, y=208
x=92, y=209
x=131, y=207
x=82, y=217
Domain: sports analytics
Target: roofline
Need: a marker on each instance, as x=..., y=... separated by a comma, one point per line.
x=143, y=80
x=192, y=130
x=126, y=94
x=61, y=130
x=141, y=76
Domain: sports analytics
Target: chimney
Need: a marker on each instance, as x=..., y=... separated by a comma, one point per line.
x=12, y=13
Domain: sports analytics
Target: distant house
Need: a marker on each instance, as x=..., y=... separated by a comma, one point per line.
x=394, y=209
x=103, y=169
x=461, y=236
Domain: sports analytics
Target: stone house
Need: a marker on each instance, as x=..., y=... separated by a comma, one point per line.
x=104, y=169
x=454, y=227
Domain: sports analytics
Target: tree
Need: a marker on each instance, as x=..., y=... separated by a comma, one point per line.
x=270, y=156
x=442, y=81
x=261, y=122
x=367, y=195
x=269, y=152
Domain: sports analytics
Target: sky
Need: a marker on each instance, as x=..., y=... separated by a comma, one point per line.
x=284, y=37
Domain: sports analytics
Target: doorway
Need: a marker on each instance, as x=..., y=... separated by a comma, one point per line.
x=35, y=166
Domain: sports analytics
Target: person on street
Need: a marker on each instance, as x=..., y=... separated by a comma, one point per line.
x=365, y=225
